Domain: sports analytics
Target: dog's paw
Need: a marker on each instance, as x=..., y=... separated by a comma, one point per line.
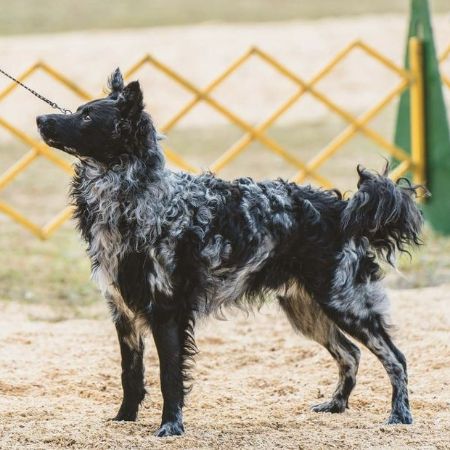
x=170, y=429
x=400, y=417
x=125, y=416
x=333, y=406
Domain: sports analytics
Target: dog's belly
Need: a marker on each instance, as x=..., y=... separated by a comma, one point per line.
x=234, y=282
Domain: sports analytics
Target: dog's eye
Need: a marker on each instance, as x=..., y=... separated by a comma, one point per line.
x=86, y=117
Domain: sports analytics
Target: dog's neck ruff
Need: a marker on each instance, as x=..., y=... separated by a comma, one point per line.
x=129, y=193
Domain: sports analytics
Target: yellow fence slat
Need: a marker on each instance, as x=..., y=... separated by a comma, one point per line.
x=39, y=146
x=18, y=167
x=400, y=170
x=58, y=76
x=135, y=67
x=57, y=221
x=417, y=111
x=179, y=161
x=21, y=219
x=383, y=59
x=444, y=56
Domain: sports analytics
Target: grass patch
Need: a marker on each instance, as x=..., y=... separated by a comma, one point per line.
x=46, y=16
x=428, y=265
x=53, y=272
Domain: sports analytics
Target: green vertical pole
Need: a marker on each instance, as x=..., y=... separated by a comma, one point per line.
x=437, y=136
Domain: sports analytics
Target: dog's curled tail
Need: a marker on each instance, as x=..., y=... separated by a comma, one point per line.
x=384, y=212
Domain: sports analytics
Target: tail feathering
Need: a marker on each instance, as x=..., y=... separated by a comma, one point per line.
x=384, y=212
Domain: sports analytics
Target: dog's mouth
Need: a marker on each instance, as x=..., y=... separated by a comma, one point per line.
x=69, y=150
x=51, y=142
x=58, y=145
x=47, y=139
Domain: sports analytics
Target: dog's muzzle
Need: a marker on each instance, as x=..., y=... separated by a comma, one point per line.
x=47, y=129
x=45, y=124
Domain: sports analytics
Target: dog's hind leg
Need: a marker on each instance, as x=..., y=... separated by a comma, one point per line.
x=173, y=336
x=359, y=309
x=307, y=317
x=132, y=352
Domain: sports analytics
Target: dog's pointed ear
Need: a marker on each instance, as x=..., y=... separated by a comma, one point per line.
x=115, y=83
x=131, y=100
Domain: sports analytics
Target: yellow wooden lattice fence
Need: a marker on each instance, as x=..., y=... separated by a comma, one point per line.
x=445, y=77
x=413, y=163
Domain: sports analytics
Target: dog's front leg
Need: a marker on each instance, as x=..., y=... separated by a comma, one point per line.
x=168, y=336
x=132, y=352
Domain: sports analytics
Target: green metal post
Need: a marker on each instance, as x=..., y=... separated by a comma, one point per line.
x=437, y=136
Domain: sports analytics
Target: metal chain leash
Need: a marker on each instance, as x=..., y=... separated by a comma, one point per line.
x=39, y=96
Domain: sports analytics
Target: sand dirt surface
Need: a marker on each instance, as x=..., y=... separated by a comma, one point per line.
x=201, y=52
x=255, y=382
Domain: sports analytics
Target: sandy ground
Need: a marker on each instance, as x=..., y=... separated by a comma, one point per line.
x=255, y=381
x=201, y=52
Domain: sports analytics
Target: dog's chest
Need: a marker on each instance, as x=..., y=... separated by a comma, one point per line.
x=125, y=274
x=99, y=212
x=105, y=249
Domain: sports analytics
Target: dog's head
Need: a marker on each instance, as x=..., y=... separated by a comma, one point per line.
x=106, y=129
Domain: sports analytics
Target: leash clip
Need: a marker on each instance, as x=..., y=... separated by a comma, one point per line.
x=59, y=108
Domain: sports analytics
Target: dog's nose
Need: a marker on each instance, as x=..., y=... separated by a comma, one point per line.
x=45, y=123
x=40, y=120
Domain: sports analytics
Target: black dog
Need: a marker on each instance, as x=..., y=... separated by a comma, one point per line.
x=168, y=247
